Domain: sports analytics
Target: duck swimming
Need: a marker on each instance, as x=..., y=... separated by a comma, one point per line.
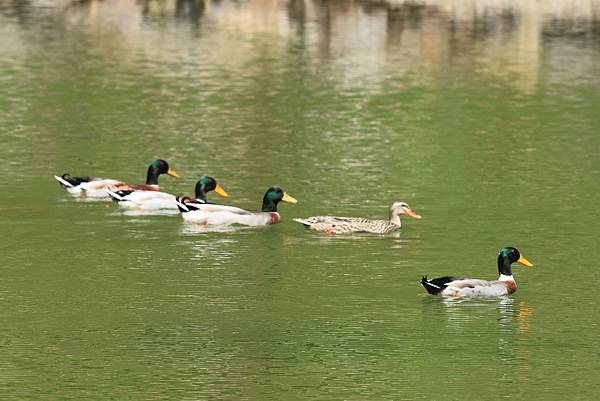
x=92, y=187
x=208, y=214
x=464, y=287
x=155, y=200
x=343, y=225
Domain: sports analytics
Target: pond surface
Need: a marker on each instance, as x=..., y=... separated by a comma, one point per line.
x=484, y=117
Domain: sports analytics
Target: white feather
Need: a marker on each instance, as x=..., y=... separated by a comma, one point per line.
x=63, y=182
x=114, y=195
x=182, y=205
x=195, y=217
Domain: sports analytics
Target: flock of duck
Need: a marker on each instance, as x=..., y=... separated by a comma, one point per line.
x=197, y=210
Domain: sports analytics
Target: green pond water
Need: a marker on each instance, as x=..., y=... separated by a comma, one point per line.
x=484, y=117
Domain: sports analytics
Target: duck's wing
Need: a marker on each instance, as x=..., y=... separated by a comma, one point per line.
x=147, y=196
x=324, y=223
x=98, y=185
x=342, y=225
x=212, y=208
x=143, y=200
x=474, y=287
x=248, y=219
x=326, y=220
x=122, y=186
x=198, y=213
x=469, y=283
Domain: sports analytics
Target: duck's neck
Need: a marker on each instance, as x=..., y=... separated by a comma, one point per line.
x=199, y=191
x=395, y=219
x=268, y=205
x=506, y=278
x=152, y=176
x=504, y=269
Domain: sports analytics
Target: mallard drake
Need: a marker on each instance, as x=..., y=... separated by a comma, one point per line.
x=207, y=214
x=343, y=225
x=464, y=287
x=155, y=200
x=92, y=187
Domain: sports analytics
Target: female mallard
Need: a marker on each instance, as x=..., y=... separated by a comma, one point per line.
x=207, y=214
x=343, y=225
x=462, y=287
x=92, y=187
x=155, y=200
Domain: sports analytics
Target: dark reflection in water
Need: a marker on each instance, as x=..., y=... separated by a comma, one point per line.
x=362, y=40
x=183, y=10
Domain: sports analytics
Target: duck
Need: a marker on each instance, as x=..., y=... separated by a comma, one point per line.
x=93, y=187
x=345, y=225
x=156, y=200
x=209, y=214
x=464, y=287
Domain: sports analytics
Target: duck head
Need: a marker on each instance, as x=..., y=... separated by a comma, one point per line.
x=399, y=208
x=507, y=256
x=206, y=184
x=156, y=168
x=273, y=196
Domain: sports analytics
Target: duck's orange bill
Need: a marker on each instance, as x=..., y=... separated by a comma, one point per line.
x=289, y=199
x=524, y=261
x=172, y=173
x=412, y=214
x=221, y=191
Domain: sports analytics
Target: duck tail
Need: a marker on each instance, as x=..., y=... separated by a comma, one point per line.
x=179, y=200
x=117, y=196
x=304, y=222
x=437, y=285
x=63, y=182
x=431, y=287
x=68, y=181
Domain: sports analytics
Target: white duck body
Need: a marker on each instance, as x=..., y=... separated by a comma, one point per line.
x=146, y=200
x=231, y=217
x=505, y=285
x=91, y=187
x=210, y=214
x=453, y=286
x=96, y=188
x=150, y=201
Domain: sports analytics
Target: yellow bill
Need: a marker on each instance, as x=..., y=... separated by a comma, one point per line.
x=172, y=173
x=221, y=191
x=412, y=214
x=522, y=260
x=289, y=199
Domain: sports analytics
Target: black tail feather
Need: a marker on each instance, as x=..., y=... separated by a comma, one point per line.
x=122, y=193
x=185, y=204
x=437, y=285
x=75, y=180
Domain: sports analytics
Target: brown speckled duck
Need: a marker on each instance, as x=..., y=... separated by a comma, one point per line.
x=343, y=225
